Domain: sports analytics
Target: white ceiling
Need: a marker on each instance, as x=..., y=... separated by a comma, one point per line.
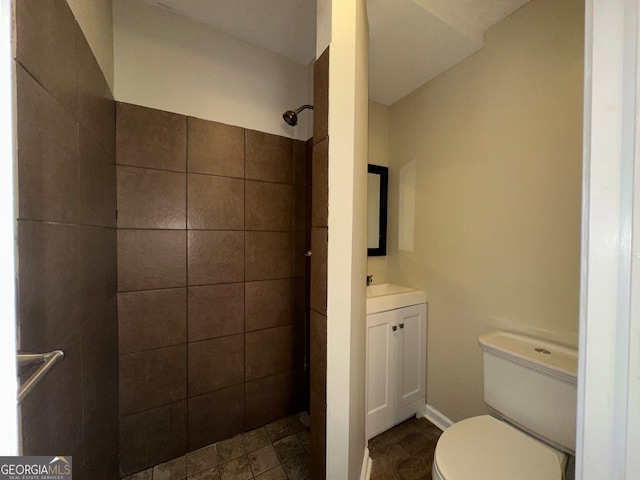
x=471, y=17
x=287, y=27
x=411, y=41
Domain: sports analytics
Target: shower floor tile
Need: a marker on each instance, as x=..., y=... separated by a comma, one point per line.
x=278, y=451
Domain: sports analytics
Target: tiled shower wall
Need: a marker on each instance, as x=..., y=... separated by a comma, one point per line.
x=212, y=232
x=66, y=240
x=318, y=294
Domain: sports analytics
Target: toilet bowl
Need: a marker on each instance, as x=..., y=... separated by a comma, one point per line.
x=531, y=385
x=485, y=448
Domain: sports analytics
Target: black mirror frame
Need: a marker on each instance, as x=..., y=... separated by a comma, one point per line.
x=384, y=185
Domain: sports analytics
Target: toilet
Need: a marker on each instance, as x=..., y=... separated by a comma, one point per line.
x=530, y=389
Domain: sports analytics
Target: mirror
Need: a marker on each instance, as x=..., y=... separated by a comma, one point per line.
x=378, y=179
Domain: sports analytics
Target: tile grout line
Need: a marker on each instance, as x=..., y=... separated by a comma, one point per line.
x=186, y=271
x=244, y=279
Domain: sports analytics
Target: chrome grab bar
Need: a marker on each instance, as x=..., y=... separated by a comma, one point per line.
x=48, y=360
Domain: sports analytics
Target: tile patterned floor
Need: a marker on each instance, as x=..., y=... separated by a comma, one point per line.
x=404, y=452
x=278, y=451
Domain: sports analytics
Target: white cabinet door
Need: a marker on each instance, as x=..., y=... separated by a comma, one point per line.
x=411, y=345
x=381, y=371
x=396, y=364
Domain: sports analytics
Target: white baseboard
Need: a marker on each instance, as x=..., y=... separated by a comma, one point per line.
x=365, y=473
x=437, y=418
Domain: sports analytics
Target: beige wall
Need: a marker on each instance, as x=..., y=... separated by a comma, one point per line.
x=357, y=404
x=165, y=61
x=346, y=259
x=496, y=142
x=96, y=21
x=378, y=134
x=378, y=155
x=323, y=25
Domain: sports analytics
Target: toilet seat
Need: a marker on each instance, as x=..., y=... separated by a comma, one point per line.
x=485, y=448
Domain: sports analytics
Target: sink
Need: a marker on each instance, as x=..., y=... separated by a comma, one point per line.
x=388, y=296
x=386, y=289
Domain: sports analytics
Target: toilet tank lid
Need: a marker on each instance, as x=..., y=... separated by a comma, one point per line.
x=541, y=355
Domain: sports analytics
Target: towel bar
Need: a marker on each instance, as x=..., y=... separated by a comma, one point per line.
x=48, y=360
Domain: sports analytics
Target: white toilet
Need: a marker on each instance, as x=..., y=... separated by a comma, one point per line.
x=530, y=388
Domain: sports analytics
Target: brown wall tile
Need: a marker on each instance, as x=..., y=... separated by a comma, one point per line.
x=318, y=281
x=95, y=111
x=267, y=400
x=99, y=361
x=101, y=430
x=50, y=307
x=96, y=182
x=309, y=187
x=268, y=206
x=225, y=367
x=318, y=328
x=96, y=254
x=215, y=257
x=299, y=294
x=317, y=438
x=150, y=138
x=299, y=217
x=319, y=270
x=215, y=364
x=268, y=304
x=152, y=378
x=318, y=353
x=99, y=458
x=47, y=155
x=320, y=187
x=99, y=337
x=56, y=406
x=46, y=47
x=216, y=311
x=152, y=437
x=299, y=330
x=268, y=157
x=215, y=416
x=150, y=198
x=299, y=165
x=267, y=255
x=299, y=259
x=267, y=352
x=215, y=203
x=151, y=259
x=215, y=148
x=68, y=279
x=299, y=389
x=321, y=97
x=151, y=319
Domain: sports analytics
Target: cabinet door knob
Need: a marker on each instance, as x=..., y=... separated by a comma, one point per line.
x=402, y=325
x=394, y=328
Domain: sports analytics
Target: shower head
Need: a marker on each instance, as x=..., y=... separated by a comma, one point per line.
x=291, y=116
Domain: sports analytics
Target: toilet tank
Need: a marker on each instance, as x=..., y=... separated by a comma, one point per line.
x=532, y=384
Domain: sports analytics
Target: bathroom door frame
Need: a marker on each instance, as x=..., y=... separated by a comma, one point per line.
x=8, y=380
x=608, y=423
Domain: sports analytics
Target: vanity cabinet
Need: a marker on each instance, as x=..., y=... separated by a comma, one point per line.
x=396, y=363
